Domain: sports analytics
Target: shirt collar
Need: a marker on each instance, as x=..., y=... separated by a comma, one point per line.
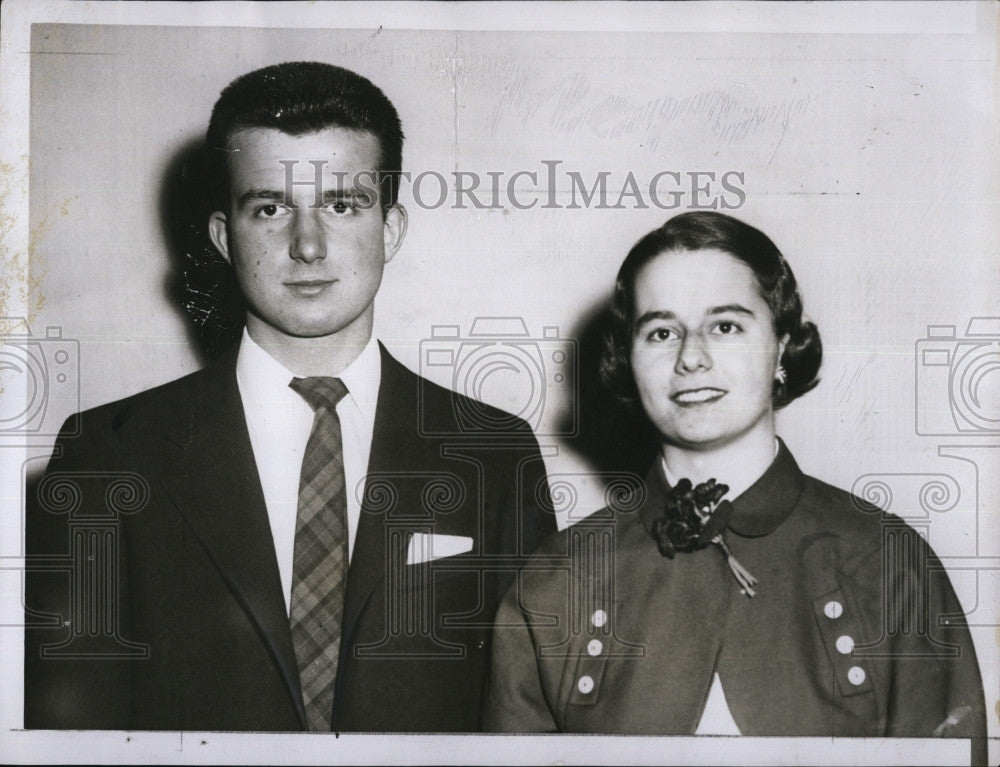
x=362, y=378
x=757, y=511
x=264, y=380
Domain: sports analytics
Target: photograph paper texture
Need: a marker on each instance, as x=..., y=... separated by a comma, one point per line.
x=541, y=143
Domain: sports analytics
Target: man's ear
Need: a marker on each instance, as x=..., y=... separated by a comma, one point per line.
x=218, y=234
x=393, y=230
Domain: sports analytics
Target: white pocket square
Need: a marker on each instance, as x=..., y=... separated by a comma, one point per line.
x=427, y=546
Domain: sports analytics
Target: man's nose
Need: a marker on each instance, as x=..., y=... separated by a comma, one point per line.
x=693, y=355
x=308, y=243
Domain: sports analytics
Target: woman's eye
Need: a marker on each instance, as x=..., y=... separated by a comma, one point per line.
x=726, y=328
x=661, y=334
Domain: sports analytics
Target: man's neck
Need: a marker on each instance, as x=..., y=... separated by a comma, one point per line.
x=738, y=464
x=318, y=356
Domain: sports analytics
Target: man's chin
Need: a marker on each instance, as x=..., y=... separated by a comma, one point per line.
x=315, y=332
x=300, y=329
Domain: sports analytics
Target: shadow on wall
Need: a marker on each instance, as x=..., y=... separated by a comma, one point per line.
x=611, y=437
x=200, y=283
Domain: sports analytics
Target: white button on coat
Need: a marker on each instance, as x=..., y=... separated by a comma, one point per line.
x=845, y=644
x=599, y=618
x=585, y=685
x=856, y=675
x=833, y=609
x=594, y=647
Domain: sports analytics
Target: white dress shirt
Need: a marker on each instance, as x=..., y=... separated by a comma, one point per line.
x=279, y=421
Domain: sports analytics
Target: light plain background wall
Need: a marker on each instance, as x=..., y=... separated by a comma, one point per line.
x=870, y=159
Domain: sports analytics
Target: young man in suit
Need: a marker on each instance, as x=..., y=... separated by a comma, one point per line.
x=305, y=535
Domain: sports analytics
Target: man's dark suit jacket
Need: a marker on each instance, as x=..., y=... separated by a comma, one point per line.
x=190, y=630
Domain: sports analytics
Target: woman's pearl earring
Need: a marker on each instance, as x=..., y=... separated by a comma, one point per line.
x=779, y=375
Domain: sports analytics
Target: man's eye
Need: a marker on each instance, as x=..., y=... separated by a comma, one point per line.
x=726, y=328
x=341, y=208
x=271, y=210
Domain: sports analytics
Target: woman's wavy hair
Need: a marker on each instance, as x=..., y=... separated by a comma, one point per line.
x=708, y=230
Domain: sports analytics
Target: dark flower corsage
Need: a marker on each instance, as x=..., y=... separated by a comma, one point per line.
x=693, y=518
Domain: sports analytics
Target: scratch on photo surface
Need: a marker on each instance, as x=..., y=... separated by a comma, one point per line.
x=455, y=65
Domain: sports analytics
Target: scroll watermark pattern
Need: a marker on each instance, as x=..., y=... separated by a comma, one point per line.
x=93, y=504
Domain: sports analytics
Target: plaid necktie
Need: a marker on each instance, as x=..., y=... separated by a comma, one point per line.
x=319, y=570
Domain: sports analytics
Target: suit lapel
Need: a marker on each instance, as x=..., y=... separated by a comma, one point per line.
x=395, y=409
x=397, y=448
x=217, y=489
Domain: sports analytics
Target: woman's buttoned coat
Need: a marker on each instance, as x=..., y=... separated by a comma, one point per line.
x=855, y=629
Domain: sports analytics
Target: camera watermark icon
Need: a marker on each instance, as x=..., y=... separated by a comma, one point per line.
x=39, y=380
x=958, y=379
x=499, y=366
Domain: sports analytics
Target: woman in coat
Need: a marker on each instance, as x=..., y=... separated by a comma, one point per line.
x=775, y=605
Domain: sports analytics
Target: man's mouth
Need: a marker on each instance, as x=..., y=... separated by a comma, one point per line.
x=309, y=287
x=700, y=396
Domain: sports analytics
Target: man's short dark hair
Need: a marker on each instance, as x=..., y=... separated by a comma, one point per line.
x=300, y=97
x=708, y=230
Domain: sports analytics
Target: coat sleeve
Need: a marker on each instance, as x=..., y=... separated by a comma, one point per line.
x=515, y=699
x=520, y=506
x=539, y=520
x=70, y=684
x=936, y=689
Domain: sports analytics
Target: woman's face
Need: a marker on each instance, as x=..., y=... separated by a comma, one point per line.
x=704, y=350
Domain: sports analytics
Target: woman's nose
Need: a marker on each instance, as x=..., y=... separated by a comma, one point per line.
x=693, y=355
x=308, y=243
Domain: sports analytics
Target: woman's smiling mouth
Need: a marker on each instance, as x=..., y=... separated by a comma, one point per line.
x=701, y=396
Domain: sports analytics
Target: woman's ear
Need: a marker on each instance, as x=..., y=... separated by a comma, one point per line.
x=782, y=344
x=219, y=234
